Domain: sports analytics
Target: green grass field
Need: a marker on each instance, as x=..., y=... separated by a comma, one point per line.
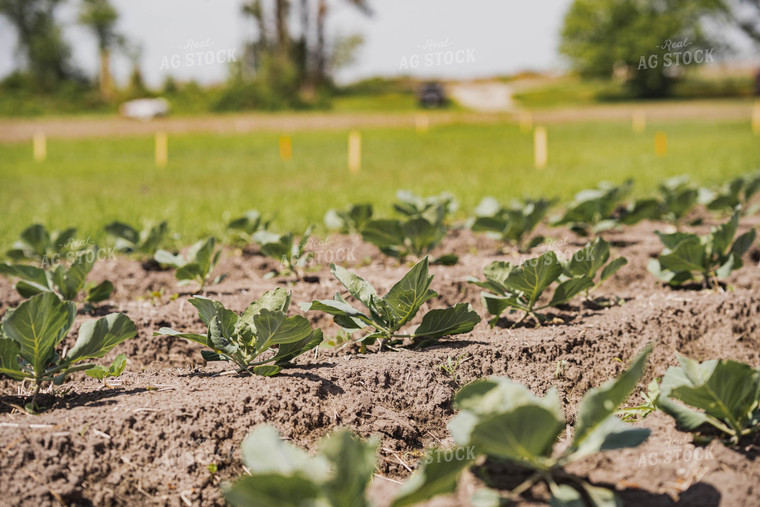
x=210, y=178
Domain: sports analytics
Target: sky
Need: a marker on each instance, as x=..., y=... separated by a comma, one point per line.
x=424, y=38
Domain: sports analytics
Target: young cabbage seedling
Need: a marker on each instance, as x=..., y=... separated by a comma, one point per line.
x=435, y=209
x=513, y=223
x=724, y=394
x=415, y=237
x=282, y=474
x=197, y=266
x=67, y=282
x=678, y=198
x=132, y=241
x=592, y=210
x=283, y=248
x=101, y=373
x=243, y=228
x=30, y=334
x=37, y=244
x=246, y=339
x=520, y=287
x=586, y=264
x=503, y=421
x=737, y=192
x=713, y=256
x=350, y=221
x=387, y=315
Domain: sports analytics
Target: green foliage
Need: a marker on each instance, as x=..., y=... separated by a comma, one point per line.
x=710, y=257
x=283, y=248
x=37, y=244
x=30, y=334
x=244, y=227
x=116, y=368
x=435, y=208
x=245, y=339
x=65, y=281
x=415, y=237
x=351, y=221
x=130, y=240
x=592, y=210
x=724, y=394
x=512, y=223
x=282, y=474
x=678, y=197
x=503, y=420
x=388, y=314
x=520, y=287
x=737, y=192
x=197, y=266
x=602, y=36
x=650, y=404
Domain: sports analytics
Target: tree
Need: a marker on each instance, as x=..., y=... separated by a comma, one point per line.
x=101, y=17
x=600, y=36
x=46, y=56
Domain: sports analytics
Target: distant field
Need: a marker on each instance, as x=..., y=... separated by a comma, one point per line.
x=211, y=178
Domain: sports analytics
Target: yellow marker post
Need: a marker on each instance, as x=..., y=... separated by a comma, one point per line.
x=756, y=118
x=286, y=148
x=639, y=121
x=162, y=149
x=661, y=144
x=39, y=147
x=422, y=123
x=541, y=147
x=354, y=151
x=526, y=121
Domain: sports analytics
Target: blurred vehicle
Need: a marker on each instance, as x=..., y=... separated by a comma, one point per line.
x=144, y=109
x=432, y=95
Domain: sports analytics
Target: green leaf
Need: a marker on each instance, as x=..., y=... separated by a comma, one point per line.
x=100, y=292
x=38, y=325
x=570, y=288
x=267, y=490
x=486, y=497
x=168, y=259
x=409, y=293
x=384, y=233
x=564, y=495
x=588, y=260
x=116, y=369
x=353, y=464
x=266, y=370
x=165, y=331
x=613, y=267
x=600, y=403
x=447, y=322
x=30, y=274
x=123, y=231
x=37, y=238
x=277, y=300
x=725, y=391
x=9, y=365
x=423, y=235
x=356, y=285
x=723, y=235
x=438, y=476
x=288, y=351
x=265, y=453
x=274, y=328
x=98, y=337
x=534, y=276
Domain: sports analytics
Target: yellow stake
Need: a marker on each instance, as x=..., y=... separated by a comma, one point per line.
x=639, y=121
x=526, y=121
x=661, y=144
x=286, y=148
x=162, y=149
x=541, y=147
x=354, y=151
x=39, y=146
x=756, y=118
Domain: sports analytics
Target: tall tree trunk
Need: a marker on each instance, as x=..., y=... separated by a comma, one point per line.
x=283, y=37
x=321, y=50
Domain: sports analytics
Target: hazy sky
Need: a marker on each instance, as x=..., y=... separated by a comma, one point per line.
x=483, y=37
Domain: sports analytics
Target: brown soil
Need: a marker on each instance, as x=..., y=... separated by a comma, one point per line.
x=149, y=440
